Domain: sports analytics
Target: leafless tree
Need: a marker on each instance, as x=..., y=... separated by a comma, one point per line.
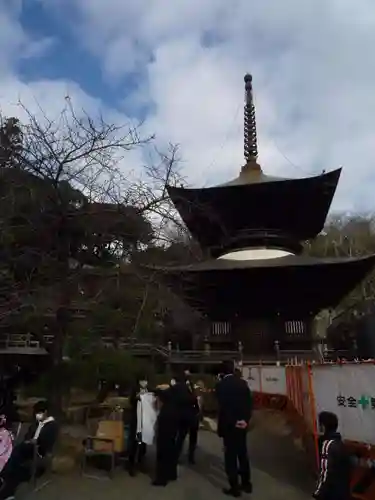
x=348, y=236
x=68, y=190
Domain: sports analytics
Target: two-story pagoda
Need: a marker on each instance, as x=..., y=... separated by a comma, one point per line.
x=258, y=287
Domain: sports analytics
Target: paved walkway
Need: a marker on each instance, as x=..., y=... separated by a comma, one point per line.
x=202, y=481
x=190, y=486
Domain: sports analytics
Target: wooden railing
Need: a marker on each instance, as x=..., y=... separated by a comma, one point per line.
x=19, y=341
x=28, y=343
x=203, y=356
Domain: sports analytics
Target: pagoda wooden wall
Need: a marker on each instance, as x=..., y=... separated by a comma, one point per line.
x=258, y=336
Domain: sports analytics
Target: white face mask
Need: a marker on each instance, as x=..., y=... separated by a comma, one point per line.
x=143, y=384
x=39, y=416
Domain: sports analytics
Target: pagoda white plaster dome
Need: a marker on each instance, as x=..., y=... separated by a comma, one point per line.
x=256, y=254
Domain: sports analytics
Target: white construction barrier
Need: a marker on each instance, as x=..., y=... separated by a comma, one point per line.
x=267, y=379
x=252, y=375
x=348, y=390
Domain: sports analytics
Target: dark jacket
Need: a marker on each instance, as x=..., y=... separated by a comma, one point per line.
x=334, y=476
x=183, y=400
x=168, y=406
x=7, y=401
x=234, y=403
x=47, y=437
x=194, y=405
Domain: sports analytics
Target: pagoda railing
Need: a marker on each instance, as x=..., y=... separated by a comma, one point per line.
x=257, y=236
x=204, y=354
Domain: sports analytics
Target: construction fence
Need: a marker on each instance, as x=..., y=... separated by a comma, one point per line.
x=302, y=391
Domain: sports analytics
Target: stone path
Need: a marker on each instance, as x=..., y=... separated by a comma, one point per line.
x=202, y=481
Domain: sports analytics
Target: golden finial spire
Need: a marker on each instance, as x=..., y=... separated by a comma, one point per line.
x=250, y=129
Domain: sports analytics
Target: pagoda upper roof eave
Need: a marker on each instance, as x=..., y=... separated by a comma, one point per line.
x=331, y=176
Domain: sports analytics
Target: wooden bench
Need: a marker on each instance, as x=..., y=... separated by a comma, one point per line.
x=90, y=451
x=99, y=444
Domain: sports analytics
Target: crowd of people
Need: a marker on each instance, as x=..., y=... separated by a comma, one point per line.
x=178, y=417
x=179, y=414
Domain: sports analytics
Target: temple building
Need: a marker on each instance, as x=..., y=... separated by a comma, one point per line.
x=258, y=287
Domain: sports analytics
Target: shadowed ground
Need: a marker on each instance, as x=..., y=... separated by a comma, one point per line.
x=278, y=472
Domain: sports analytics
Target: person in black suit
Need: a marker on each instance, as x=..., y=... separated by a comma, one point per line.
x=136, y=448
x=41, y=434
x=234, y=413
x=166, y=434
x=189, y=417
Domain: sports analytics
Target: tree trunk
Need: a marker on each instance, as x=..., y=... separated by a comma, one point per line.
x=140, y=312
x=62, y=319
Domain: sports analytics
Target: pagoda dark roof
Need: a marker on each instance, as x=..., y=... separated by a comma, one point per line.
x=256, y=210
x=292, y=286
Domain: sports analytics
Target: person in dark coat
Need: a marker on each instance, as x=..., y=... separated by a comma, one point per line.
x=166, y=434
x=334, y=476
x=136, y=448
x=41, y=434
x=189, y=417
x=234, y=414
x=8, y=401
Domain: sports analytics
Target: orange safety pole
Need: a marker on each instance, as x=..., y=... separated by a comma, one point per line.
x=287, y=387
x=299, y=389
x=289, y=373
x=313, y=411
x=293, y=384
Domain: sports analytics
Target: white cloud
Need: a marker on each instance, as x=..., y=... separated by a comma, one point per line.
x=313, y=77
x=43, y=97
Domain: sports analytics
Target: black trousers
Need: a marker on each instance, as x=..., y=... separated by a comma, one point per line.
x=17, y=470
x=236, y=457
x=187, y=426
x=136, y=451
x=166, y=451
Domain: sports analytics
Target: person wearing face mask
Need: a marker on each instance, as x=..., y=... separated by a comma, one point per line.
x=136, y=448
x=41, y=434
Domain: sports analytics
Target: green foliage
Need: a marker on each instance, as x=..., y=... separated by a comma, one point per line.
x=45, y=385
x=116, y=367
x=111, y=365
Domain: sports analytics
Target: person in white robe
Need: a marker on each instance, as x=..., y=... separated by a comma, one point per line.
x=141, y=424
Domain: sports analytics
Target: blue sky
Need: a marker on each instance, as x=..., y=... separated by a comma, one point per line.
x=65, y=57
x=179, y=67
